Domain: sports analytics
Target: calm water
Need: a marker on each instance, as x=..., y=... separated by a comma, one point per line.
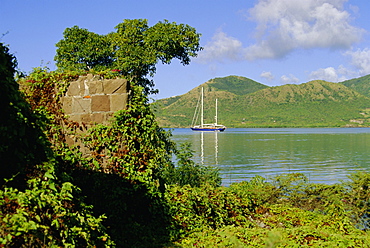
x=324, y=155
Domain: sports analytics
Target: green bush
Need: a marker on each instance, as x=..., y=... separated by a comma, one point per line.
x=193, y=208
x=286, y=211
x=22, y=142
x=38, y=208
x=48, y=214
x=187, y=172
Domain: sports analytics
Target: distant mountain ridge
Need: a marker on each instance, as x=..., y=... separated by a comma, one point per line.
x=317, y=90
x=361, y=85
x=246, y=103
x=236, y=84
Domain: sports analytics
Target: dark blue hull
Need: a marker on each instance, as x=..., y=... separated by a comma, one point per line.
x=209, y=129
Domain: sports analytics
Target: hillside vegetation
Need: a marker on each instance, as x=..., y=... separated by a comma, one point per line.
x=246, y=103
x=361, y=85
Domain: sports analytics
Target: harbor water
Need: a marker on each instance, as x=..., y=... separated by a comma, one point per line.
x=324, y=155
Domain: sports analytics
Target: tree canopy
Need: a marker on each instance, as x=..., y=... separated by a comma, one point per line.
x=133, y=50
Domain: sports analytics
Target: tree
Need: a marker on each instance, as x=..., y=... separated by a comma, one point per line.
x=133, y=50
x=83, y=50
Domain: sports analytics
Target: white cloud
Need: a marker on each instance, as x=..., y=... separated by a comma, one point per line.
x=267, y=75
x=289, y=79
x=285, y=25
x=331, y=74
x=221, y=48
x=327, y=74
x=346, y=73
x=361, y=60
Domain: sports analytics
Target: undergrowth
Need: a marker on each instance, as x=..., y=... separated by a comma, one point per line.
x=286, y=211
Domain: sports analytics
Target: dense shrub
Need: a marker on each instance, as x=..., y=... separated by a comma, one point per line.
x=187, y=172
x=48, y=214
x=193, y=208
x=37, y=207
x=22, y=143
x=286, y=211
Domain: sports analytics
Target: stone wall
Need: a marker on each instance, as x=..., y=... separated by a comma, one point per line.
x=93, y=100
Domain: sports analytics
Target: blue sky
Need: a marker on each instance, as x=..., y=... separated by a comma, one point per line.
x=273, y=42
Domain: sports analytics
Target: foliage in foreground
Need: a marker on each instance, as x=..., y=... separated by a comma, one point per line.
x=128, y=166
x=22, y=143
x=187, y=172
x=49, y=214
x=38, y=206
x=284, y=212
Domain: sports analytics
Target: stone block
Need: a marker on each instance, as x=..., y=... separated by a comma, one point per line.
x=74, y=89
x=86, y=118
x=81, y=105
x=118, y=102
x=75, y=117
x=95, y=88
x=123, y=87
x=91, y=99
x=97, y=118
x=114, y=86
x=67, y=104
x=86, y=78
x=100, y=103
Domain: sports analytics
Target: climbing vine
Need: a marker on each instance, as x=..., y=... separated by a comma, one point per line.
x=39, y=207
x=122, y=159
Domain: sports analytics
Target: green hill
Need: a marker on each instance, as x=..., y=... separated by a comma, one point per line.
x=237, y=85
x=246, y=103
x=361, y=85
x=178, y=111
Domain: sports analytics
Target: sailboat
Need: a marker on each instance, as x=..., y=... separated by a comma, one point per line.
x=206, y=127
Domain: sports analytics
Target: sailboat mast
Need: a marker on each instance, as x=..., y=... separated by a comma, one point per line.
x=201, y=123
x=216, y=113
x=206, y=127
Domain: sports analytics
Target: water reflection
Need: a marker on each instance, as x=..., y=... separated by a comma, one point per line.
x=216, y=148
x=202, y=146
x=325, y=155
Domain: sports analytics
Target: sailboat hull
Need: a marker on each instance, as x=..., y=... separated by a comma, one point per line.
x=209, y=129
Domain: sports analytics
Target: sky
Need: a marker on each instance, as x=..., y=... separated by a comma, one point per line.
x=273, y=42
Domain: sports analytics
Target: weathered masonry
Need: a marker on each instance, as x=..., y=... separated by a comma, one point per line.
x=93, y=100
